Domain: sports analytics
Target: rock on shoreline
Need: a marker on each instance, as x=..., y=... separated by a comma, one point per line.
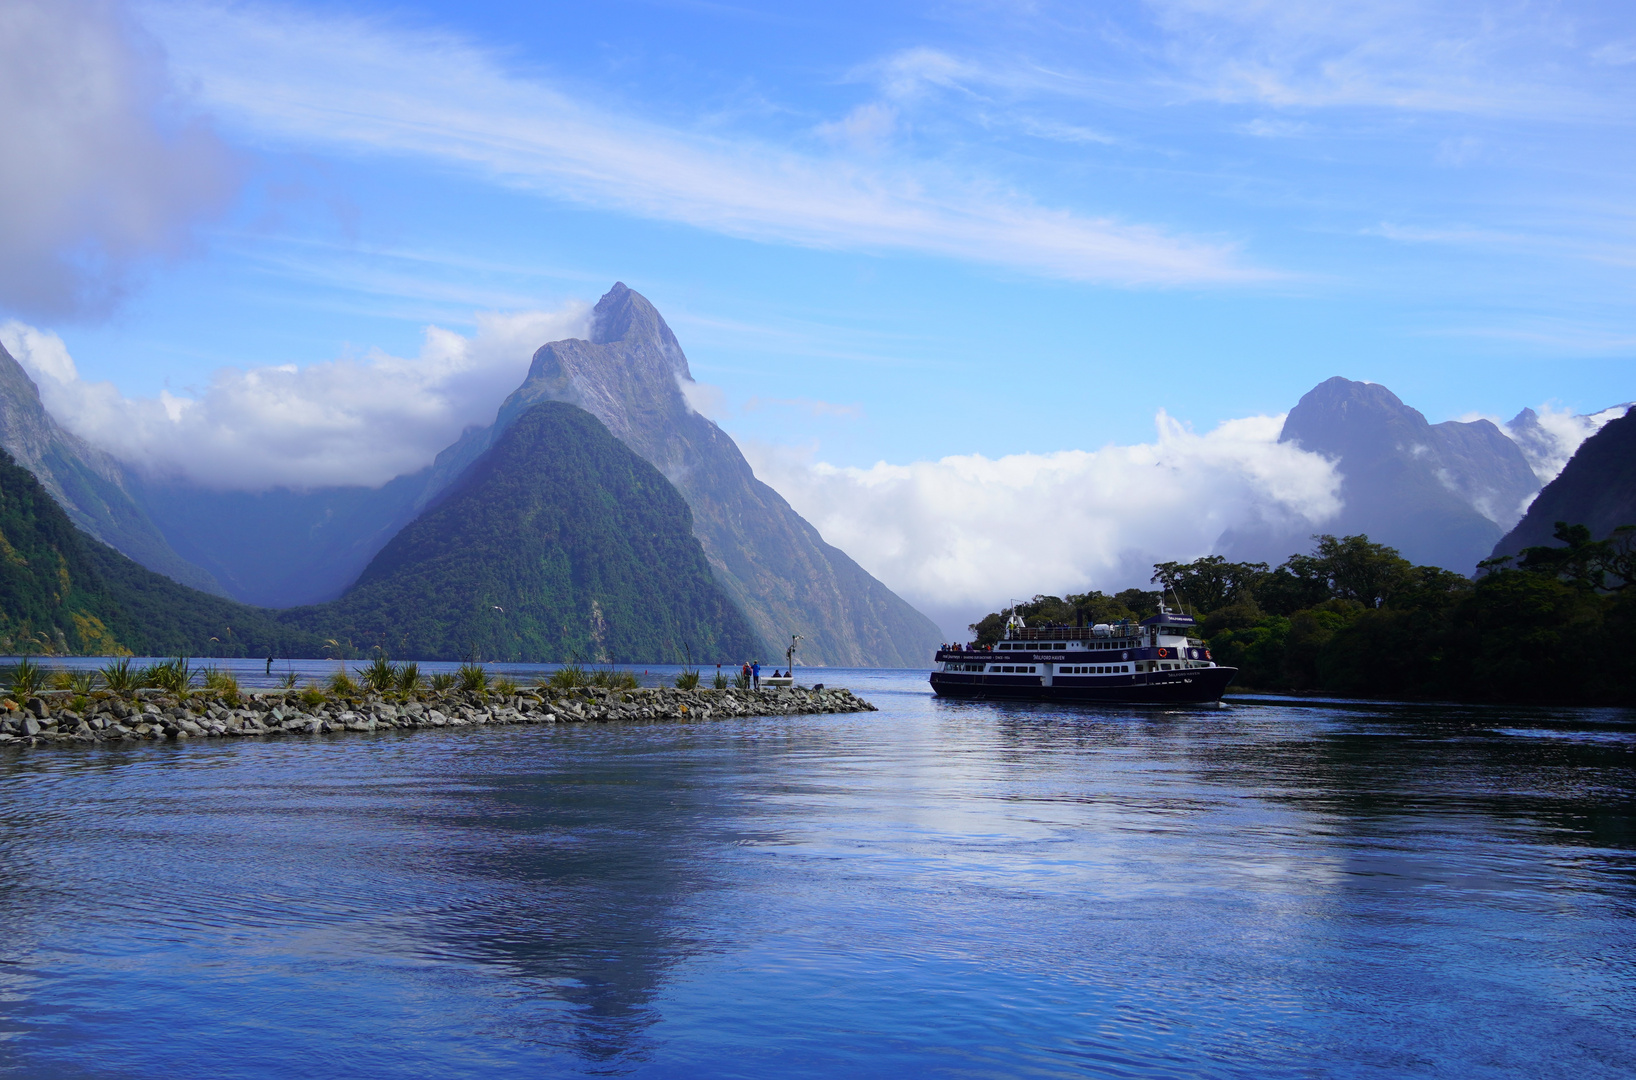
x=47, y=720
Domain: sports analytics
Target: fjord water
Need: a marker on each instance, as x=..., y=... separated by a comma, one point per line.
x=945, y=889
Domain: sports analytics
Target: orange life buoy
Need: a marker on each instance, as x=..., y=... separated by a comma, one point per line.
x=1163, y=653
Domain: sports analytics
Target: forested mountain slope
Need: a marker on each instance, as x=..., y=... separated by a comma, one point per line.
x=559, y=542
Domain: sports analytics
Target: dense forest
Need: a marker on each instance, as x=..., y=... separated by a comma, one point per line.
x=1554, y=625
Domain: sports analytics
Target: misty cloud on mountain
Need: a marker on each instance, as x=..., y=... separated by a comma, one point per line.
x=959, y=534
x=350, y=421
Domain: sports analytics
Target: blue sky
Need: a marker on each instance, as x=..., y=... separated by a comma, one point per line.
x=886, y=233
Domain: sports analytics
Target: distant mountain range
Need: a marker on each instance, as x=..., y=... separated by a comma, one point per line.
x=1442, y=494
x=285, y=548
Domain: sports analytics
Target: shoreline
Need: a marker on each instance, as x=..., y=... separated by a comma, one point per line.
x=153, y=715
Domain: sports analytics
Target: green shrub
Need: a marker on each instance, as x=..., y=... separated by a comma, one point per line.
x=222, y=683
x=83, y=682
x=720, y=681
x=442, y=682
x=312, y=696
x=120, y=677
x=341, y=684
x=290, y=681
x=473, y=678
x=380, y=675
x=174, y=676
x=25, y=679
x=409, y=677
x=566, y=677
x=62, y=679
x=505, y=686
x=688, y=680
x=742, y=680
x=610, y=679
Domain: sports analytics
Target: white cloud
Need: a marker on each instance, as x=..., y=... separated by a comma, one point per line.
x=345, y=421
x=305, y=79
x=101, y=167
x=958, y=536
x=1553, y=436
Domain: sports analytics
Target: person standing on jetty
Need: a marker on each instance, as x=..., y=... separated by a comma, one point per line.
x=755, y=675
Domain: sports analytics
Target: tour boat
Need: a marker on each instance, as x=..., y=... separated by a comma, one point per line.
x=1158, y=661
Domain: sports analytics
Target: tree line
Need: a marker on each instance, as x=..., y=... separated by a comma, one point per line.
x=1355, y=618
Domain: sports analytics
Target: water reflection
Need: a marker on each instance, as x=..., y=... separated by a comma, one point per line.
x=936, y=889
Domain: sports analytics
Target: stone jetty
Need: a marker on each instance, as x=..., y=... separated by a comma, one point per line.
x=48, y=719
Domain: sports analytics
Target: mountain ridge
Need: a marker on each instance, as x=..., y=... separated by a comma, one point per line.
x=1442, y=494
x=1596, y=488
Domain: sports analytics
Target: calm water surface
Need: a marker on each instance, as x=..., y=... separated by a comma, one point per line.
x=936, y=889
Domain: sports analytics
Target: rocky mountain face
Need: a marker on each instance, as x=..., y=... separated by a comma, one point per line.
x=1596, y=488
x=1442, y=494
x=558, y=541
x=787, y=579
x=91, y=486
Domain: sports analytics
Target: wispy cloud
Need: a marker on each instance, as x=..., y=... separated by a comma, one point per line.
x=1505, y=59
x=306, y=79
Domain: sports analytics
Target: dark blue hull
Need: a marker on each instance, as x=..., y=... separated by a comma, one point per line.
x=1183, y=686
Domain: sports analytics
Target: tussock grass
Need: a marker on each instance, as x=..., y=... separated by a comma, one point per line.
x=473, y=678
x=409, y=677
x=120, y=677
x=174, y=676
x=442, y=682
x=341, y=684
x=223, y=683
x=25, y=679
x=610, y=679
x=568, y=677
x=379, y=675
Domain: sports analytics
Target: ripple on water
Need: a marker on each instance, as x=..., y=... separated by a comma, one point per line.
x=938, y=888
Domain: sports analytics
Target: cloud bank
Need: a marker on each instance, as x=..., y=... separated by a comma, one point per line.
x=345, y=421
x=301, y=78
x=957, y=536
x=1555, y=434
x=101, y=166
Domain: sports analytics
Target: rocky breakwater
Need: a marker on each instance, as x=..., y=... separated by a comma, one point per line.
x=52, y=719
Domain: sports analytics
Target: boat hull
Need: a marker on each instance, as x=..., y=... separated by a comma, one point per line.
x=1184, y=686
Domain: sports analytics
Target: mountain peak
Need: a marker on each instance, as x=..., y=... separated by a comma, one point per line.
x=623, y=314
